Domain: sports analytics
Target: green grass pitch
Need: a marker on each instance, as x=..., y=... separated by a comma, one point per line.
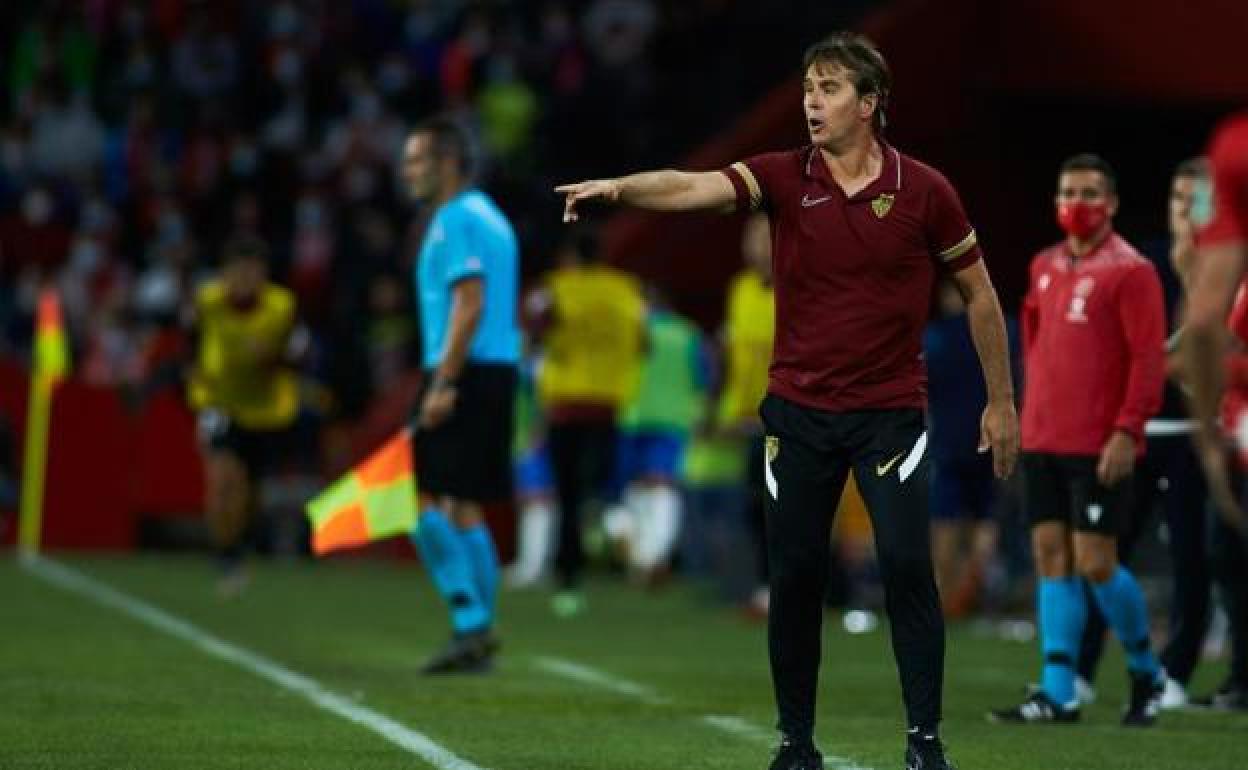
x=681, y=683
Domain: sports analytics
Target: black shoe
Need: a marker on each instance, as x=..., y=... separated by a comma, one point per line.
x=792, y=756
x=467, y=653
x=1231, y=696
x=1037, y=709
x=1146, y=692
x=927, y=755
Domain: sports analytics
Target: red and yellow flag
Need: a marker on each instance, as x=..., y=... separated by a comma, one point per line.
x=51, y=351
x=50, y=364
x=374, y=500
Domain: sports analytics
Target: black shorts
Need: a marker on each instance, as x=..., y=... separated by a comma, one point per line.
x=1064, y=488
x=258, y=450
x=468, y=456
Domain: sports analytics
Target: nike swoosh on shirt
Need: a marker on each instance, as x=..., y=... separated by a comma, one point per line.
x=880, y=470
x=808, y=201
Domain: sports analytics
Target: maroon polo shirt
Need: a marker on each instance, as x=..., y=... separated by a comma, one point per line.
x=853, y=275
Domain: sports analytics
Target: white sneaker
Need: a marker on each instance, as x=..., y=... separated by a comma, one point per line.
x=1174, y=696
x=1085, y=693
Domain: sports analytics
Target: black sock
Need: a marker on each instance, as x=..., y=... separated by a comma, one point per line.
x=923, y=735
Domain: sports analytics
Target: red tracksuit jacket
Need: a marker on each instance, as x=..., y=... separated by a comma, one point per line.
x=1093, y=348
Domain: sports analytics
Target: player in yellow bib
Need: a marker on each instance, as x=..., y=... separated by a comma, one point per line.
x=245, y=391
x=591, y=324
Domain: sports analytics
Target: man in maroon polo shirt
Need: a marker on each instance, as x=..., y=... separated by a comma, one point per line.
x=859, y=234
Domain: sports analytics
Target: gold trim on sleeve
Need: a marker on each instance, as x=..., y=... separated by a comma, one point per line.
x=756, y=192
x=959, y=248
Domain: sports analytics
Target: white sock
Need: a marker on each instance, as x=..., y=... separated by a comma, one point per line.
x=668, y=510
x=659, y=526
x=537, y=525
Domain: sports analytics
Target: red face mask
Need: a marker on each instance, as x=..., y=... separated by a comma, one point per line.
x=1081, y=219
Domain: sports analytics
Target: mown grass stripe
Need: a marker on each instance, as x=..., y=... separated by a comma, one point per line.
x=406, y=738
x=579, y=672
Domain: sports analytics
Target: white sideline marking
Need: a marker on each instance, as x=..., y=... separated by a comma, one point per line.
x=600, y=679
x=737, y=726
x=404, y=737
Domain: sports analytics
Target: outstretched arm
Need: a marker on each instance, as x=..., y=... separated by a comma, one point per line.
x=654, y=190
x=999, y=425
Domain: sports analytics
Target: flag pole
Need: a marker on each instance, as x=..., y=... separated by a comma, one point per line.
x=50, y=361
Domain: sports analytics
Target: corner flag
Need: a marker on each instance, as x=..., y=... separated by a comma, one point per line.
x=49, y=366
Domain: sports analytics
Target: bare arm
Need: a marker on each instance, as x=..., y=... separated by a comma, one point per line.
x=1204, y=332
x=1204, y=344
x=999, y=426
x=467, y=304
x=440, y=397
x=655, y=190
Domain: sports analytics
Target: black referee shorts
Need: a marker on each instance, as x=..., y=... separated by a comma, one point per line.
x=468, y=456
x=1065, y=489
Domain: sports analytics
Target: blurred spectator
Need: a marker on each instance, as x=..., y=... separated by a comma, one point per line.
x=34, y=237
x=749, y=328
x=391, y=332
x=964, y=531
x=654, y=432
x=246, y=392
x=205, y=58
x=139, y=135
x=508, y=110
x=67, y=139
x=534, y=483
x=53, y=44
x=589, y=319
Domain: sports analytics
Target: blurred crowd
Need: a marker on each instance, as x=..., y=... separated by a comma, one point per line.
x=136, y=137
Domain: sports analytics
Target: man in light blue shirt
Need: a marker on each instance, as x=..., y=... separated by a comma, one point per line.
x=466, y=285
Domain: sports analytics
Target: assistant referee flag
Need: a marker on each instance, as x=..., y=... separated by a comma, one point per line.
x=375, y=500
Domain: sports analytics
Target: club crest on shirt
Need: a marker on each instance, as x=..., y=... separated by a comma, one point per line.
x=1079, y=302
x=772, y=446
x=883, y=204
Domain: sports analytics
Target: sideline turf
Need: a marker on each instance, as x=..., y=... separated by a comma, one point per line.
x=85, y=687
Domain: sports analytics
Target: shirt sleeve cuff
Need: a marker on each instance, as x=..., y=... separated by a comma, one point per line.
x=464, y=275
x=964, y=260
x=745, y=185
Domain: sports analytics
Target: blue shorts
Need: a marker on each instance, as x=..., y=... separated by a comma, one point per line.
x=532, y=472
x=648, y=453
x=962, y=488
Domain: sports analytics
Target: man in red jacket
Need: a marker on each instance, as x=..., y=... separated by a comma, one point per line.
x=1093, y=347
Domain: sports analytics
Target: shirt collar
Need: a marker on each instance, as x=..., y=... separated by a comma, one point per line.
x=1098, y=251
x=889, y=180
